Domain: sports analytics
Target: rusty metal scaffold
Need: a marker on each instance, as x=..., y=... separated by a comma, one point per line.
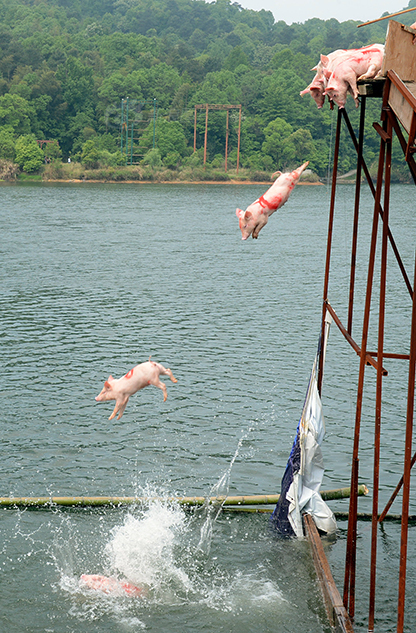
x=207, y=107
x=398, y=117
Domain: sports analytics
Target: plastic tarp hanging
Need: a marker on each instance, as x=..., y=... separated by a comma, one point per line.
x=305, y=468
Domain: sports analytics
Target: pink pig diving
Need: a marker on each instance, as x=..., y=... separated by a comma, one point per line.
x=256, y=215
x=120, y=389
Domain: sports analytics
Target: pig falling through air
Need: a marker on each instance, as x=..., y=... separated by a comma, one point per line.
x=256, y=215
x=140, y=376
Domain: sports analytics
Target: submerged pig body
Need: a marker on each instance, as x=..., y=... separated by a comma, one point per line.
x=256, y=216
x=362, y=63
x=120, y=389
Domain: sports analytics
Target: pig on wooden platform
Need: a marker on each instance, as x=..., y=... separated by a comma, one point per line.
x=337, y=73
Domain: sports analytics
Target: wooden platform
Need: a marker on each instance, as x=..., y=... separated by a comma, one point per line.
x=337, y=614
x=400, y=52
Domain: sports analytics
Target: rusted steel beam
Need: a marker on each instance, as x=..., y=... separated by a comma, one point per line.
x=216, y=106
x=335, y=609
x=350, y=563
x=356, y=214
x=396, y=491
x=351, y=552
x=387, y=137
x=391, y=355
x=381, y=132
x=373, y=191
x=410, y=160
x=329, y=243
x=369, y=357
x=206, y=135
x=407, y=469
x=239, y=139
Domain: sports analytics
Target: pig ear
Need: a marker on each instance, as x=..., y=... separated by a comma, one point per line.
x=315, y=67
x=107, y=384
x=248, y=215
x=239, y=213
x=327, y=73
x=324, y=60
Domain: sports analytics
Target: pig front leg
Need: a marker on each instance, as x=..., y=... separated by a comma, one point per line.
x=259, y=227
x=119, y=408
x=351, y=80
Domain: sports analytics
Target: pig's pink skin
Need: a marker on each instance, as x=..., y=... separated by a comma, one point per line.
x=318, y=84
x=109, y=585
x=316, y=89
x=137, y=378
x=413, y=26
x=363, y=63
x=252, y=220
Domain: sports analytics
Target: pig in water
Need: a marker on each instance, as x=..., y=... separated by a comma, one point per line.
x=110, y=585
x=140, y=376
x=362, y=63
x=256, y=215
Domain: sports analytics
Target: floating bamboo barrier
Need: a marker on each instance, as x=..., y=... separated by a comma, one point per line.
x=115, y=502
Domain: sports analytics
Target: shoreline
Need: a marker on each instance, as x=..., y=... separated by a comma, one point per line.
x=172, y=182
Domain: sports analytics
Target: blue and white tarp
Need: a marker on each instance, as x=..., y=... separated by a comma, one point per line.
x=305, y=469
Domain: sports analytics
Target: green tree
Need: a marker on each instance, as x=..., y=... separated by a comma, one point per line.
x=277, y=144
x=16, y=112
x=170, y=137
x=7, y=143
x=29, y=156
x=52, y=151
x=152, y=158
x=90, y=155
x=77, y=85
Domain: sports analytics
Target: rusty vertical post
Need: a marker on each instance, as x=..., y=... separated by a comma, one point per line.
x=195, y=131
x=351, y=553
x=380, y=350
x=356, y=213
x=239, y=137
x=349, y=579
x=206, y=135
x=407, y=467
x=329, y=242
x=226, y=139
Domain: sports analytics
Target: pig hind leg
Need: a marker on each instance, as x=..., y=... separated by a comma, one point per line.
x=372, y=71
x=161, y=385
x=166, y=372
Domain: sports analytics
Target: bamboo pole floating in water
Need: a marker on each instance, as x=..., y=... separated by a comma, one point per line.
x=246, y=500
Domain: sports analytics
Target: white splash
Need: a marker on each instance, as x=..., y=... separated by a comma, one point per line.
x=142, y=549
x=219, y=491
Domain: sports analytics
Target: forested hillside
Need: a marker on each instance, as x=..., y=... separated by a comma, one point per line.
x=66, y=65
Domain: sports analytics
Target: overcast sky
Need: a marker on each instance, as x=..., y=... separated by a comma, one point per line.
x=301, y=10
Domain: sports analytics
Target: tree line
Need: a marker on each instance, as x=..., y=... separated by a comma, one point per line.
x=66, y=66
